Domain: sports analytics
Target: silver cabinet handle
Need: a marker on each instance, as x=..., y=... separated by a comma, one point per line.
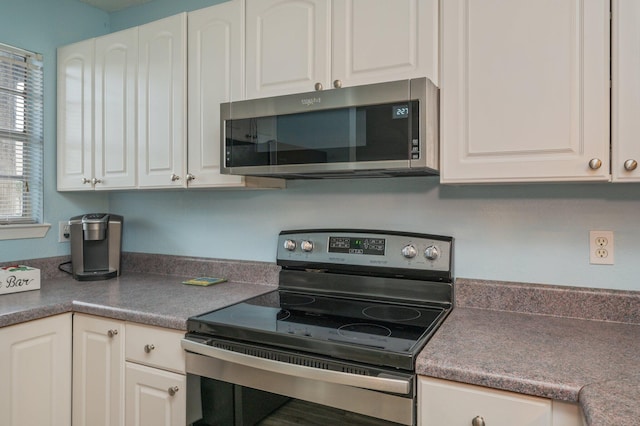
x=319, y=86
x=174, y=177
x=172, y=390
x=95, y=180
x=112, y=333
x=595, y=163
x=630, y=165
x=477, y=421
x=190, y=177
x=85, y=180
x=337, y=84
x=148, y=348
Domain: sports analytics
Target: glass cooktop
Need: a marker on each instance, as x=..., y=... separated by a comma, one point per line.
x=354, y=329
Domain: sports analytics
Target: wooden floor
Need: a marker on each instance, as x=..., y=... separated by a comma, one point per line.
x=296, y=412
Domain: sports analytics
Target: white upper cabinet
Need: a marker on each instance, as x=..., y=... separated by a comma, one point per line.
x=215, y=75
x=288, y=46
x=97, y=113
x=384, y=40
x=115, y=73
x=75, y=116
x=162, y=103
x=216, y=71
x=296, y=46
x=524, y=90
x=625, y=92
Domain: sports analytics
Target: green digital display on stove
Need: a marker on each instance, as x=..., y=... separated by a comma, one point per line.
x=357, y=245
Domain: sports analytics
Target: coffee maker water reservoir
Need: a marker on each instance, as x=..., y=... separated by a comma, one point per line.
x=96, y=240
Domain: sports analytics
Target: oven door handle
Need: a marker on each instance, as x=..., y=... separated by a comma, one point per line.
x=384, y=384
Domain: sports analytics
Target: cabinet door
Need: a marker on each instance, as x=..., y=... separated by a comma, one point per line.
x=625, y=91
x=98, y=371
x=524, y=90
x=288, y=46
x=383, y=40
x=75, y=116
x=441, y=402
x=154, y=397
x=216, y=71
x=116, y=64
x=162, y=104
x=36, y=373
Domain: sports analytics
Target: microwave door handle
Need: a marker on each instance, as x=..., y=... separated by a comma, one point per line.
x=399, y=386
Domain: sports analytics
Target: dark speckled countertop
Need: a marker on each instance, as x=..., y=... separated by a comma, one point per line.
x=563, y=343
x=140, y=295
x=503, y=336
x=152, y=299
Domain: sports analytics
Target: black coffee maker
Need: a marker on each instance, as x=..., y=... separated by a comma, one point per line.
x=96, y=240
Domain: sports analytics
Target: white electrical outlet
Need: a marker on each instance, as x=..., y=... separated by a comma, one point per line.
x=601, y=247
x=63, y=232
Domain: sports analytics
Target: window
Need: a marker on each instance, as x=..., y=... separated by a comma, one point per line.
x=21, y=136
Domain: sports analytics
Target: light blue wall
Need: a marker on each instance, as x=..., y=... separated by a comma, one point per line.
x=530, y=233
x=41, y=26
x=154, y=10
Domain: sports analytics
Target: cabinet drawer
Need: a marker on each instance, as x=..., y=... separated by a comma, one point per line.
x=156, y=347
x=441, y=402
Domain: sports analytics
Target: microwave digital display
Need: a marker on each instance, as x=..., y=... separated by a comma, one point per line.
x=399, y=111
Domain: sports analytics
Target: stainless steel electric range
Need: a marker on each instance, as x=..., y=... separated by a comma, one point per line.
x=336, y=341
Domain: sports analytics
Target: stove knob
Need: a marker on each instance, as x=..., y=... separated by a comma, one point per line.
x=432, y=253
x=289, y=245
x=409, y=251
x=306, y=246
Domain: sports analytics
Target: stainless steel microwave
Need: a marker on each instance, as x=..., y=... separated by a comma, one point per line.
x=384, y=129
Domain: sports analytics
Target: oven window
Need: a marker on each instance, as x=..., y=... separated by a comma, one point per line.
x=356, y=134
x=228, y=404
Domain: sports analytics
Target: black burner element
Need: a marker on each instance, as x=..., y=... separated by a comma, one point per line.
x=391, y=313
x=363, y=330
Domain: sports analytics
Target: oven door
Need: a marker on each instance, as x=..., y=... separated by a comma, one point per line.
x=231, y=388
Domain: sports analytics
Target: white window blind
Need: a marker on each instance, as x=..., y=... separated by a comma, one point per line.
x=21, y=136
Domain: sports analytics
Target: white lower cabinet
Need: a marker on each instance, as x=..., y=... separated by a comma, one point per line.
x=442, y=402
x=127, y=374
x=155, y=377
x=98, y=371
x=154, y=396
x=36, y=372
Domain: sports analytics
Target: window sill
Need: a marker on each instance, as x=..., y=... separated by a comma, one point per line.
x=16, y=232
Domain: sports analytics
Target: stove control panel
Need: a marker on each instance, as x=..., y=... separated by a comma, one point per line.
x=367, y=248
